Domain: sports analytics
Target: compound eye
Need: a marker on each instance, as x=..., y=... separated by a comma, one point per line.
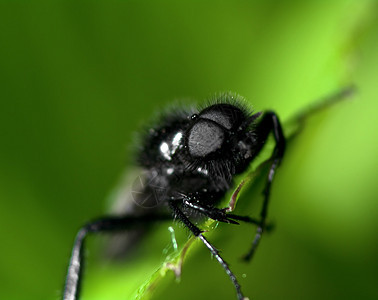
x=227, y=115
x=204, y=138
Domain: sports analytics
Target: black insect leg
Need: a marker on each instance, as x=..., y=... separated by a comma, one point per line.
x=217, y=214
x=106, y=224
x=269, y=123
x=198, y=233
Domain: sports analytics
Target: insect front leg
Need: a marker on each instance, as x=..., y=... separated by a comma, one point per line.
x=269, y=123
x=217, y=214
x=198, y=233
x=107, y=224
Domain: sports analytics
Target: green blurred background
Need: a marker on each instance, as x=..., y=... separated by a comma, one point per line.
x=78, y=78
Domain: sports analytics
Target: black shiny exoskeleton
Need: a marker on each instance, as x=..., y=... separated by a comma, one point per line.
x=190, y=160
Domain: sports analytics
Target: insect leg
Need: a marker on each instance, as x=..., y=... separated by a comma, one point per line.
x=217, y=214
x=198, y=233
x=269, y=123
x=106, y=224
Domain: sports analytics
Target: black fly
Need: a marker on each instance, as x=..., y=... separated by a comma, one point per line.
x=191, y=157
